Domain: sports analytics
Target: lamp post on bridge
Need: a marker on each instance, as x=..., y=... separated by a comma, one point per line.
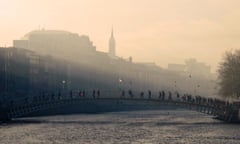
x=63, y=84
x=121, y=86
x=120, y=82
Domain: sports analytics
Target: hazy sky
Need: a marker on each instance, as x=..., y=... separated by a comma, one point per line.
x=161, y=31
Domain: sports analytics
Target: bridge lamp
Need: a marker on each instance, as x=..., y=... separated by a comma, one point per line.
x=63, y=83
x=120, y=80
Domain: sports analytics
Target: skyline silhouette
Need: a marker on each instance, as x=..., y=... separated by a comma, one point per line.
x=153, y=31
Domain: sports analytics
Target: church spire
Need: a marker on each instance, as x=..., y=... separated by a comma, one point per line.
x=112, y=45
x=112, y=33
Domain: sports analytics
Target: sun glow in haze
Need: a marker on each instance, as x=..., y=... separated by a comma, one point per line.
x=148, y=30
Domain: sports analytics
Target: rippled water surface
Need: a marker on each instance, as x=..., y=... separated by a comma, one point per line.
x=177, y=127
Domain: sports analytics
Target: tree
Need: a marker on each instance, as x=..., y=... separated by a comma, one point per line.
x=229, y=75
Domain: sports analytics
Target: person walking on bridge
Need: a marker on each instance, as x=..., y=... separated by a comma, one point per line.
x=169, y=96
x=163, y=95
x=149, y=94
x=123, y=93
x=98, y=93
x=160, y=95
x=130, y=93
x=142, y=94
x=93, y=94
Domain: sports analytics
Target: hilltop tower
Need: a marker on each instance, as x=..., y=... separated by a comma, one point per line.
x=112, y=45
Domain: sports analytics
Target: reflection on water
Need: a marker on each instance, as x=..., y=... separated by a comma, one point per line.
x=121, y=127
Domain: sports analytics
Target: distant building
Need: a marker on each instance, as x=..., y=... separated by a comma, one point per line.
x=197, y=68
x=112, y=45
x=191, y=66
x=56, y=42
x=177, y=67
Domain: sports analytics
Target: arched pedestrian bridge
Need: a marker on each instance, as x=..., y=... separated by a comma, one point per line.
x=226, y=111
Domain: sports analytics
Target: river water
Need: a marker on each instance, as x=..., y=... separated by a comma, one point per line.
x=143, y=127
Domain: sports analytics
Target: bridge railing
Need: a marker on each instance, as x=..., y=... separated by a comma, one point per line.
x=218, y=106
x=95, y=93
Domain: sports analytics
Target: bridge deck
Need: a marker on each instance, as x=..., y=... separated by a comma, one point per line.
x=224, y=110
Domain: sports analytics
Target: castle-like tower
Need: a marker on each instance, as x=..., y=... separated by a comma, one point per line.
x=112, y=45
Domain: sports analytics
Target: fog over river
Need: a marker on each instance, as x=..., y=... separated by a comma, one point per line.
x=144, y=127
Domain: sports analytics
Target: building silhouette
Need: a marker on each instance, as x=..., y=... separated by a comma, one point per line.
x=56, y=42
x=59, y=60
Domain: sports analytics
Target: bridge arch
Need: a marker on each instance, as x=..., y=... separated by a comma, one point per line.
x=23, y=107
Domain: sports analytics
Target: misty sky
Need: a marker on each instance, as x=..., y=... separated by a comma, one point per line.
x=161, y=31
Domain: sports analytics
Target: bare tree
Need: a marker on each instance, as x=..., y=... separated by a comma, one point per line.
x=229, y=75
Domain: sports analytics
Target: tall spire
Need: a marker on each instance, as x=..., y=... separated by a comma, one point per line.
x=112, y=33
x=112, y=45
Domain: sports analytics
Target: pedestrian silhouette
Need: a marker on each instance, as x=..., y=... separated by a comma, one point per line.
x=98, y=93
x=149, y=94
x=123, y=93
x=130, y=93
x=159, y=95
x=142, y=94
x=93, y=94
